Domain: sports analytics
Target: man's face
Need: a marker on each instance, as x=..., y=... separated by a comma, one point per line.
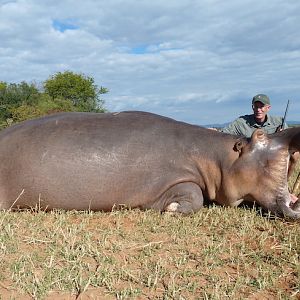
x=260, y=110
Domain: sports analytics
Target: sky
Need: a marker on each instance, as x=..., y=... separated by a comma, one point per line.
x=197, y=61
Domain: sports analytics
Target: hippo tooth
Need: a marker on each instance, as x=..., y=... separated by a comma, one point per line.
x=172, y=207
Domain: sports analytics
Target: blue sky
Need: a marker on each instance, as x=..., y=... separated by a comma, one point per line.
x=195, y=61
x=63, y=25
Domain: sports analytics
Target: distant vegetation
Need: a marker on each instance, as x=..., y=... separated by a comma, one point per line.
x=65, y=91
x=294, y=124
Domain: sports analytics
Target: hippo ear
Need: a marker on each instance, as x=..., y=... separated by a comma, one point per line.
x=239, y=145
x=259, y=139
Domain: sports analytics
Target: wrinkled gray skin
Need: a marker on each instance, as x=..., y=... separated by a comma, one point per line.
x=101, y=161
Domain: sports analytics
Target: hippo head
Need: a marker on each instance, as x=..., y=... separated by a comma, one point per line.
x=260, y=172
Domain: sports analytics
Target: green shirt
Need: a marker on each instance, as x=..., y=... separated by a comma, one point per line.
x=245, y=125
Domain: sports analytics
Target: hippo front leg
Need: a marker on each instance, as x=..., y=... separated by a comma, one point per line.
x=182, y=198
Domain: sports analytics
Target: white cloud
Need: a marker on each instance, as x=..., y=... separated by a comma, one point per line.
x=197, y=61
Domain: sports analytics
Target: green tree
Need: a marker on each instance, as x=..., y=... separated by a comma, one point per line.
x=79, y=89
x=4, y=113
x=62, y=92
x=25, y=112
x=15, y=95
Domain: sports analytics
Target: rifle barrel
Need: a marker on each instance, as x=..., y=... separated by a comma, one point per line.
x=285, y=114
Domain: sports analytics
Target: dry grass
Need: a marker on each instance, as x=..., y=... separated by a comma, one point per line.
x=218, y=253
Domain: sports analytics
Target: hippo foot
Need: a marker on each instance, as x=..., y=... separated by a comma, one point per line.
x=184, y=198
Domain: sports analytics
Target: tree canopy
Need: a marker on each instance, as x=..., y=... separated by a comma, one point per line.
x=18, y=94
x=80, y=90
x=65, y=91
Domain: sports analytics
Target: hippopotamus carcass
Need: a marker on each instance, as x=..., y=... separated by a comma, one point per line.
x=101, y=161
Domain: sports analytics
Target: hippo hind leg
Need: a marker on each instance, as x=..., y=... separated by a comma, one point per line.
x=182, y=198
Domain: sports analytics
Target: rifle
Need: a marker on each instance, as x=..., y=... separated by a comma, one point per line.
x=284, y=118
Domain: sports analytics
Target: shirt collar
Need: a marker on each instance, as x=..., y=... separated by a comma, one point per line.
x=253, y=123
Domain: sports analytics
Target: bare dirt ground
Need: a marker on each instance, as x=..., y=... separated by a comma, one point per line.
x=218, y=253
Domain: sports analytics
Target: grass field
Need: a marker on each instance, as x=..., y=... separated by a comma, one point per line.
x=217, y=253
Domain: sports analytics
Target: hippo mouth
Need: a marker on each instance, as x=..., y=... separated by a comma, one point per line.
x=289, y=208
x=295, y=203
x=287, y=204
x=294, y=199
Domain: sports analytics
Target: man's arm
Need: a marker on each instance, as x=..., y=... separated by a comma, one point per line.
x=232, y=128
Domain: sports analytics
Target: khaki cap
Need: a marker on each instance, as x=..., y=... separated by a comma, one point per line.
x=261, y=98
